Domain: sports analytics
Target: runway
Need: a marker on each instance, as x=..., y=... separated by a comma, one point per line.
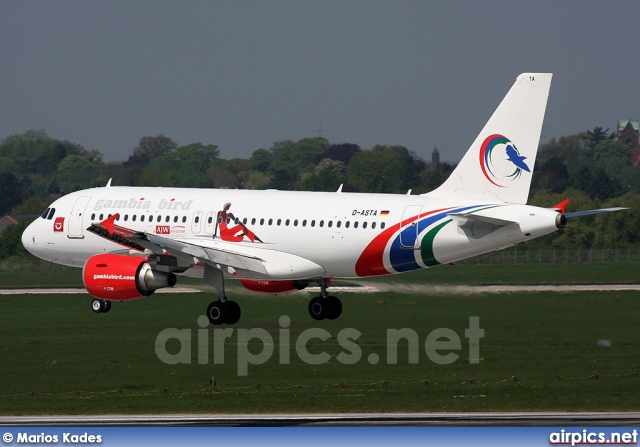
x=383, y=287
x=337, y=419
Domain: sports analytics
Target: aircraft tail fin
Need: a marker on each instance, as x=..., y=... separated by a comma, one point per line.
x=498, y=166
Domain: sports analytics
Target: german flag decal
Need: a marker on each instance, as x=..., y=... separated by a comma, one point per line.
x=384, y=213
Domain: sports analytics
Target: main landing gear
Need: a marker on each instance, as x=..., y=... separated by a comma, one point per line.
x=325, y=306
x=224, y=311
x=100, y=306
x=221, y=311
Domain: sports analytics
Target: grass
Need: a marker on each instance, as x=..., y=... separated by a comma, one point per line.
x=539, y=352
x=567, y=273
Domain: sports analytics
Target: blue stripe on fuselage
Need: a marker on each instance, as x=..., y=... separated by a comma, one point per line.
x=404, y=259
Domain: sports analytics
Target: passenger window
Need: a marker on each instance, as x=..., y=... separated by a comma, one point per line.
x=184, y=219
x=219, y=219
x=355, y=224
x=313, y=223
x=329, y=224
x=167, y=219
x=364, y=225
x=286, y=222
x=237, y=220
x=373, y=225
x=338, y=223
x=197, y=219
x=304, y=223
x=279, y=222
x=101, y=217
x=295, y=223
x=346, y=224
x=244, y=221
x=253, y=221
x=142, y=218
x=133, y=218
x=175, y=219
x=126, y=217
x=322, y=223
x=118, y=218
x=262, y=221
x=382, y=226
x=93, y=216
x=270, y=222
x=210, y=220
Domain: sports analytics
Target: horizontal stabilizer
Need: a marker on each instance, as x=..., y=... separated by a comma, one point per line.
x=589, y=212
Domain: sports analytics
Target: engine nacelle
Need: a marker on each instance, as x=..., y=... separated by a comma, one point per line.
x=120, y=277
x=269, y=286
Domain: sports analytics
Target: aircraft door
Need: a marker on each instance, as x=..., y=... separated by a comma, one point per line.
x=76, y=226
x=210, y=222
x=409, y=227
x=196, y=223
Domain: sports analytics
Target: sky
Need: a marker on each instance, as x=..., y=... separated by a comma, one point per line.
x=245, y=74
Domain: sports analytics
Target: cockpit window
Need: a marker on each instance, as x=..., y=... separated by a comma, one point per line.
x=45, y=213
x=51, y=213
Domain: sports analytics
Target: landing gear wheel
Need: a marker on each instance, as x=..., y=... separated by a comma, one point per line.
x=319, y=308
x=99, y=306
x=107, y=306
x=335, y=308
x=233, y=312
x=217, y=312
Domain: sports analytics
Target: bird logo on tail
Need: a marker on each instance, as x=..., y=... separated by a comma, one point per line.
x=490, y=149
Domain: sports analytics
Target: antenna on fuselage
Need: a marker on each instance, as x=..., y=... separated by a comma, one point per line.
x=109, y=184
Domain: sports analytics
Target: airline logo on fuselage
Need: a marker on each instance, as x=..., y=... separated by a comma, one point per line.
x=58, y=225
x=141, y=204
x=163, y=229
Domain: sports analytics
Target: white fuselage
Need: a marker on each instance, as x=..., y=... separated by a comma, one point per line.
x=298, y=235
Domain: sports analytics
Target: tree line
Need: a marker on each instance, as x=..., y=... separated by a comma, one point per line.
x=591, y=168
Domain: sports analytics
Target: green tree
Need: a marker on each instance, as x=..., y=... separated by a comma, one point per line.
x=72, y=173
x=290, y=160
x=375, y=171
x=595, y=136
x=260, y=160
x=11, y=192
x=191, y=163
x=612, y=156
x=34, y=152
x=150, y=147
x=257, y=180
x=327, y=176
x=11, y=239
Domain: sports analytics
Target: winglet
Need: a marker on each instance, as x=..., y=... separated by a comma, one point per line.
x=109, y=223
x=561, y=206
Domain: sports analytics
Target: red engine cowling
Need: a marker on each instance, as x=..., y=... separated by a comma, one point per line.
x=120, y=277
x=269, y=286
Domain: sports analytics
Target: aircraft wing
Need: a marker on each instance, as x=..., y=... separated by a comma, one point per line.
x=192, y=253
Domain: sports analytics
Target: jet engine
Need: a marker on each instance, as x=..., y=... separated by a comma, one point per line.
x=121, y=277
x=269, y=286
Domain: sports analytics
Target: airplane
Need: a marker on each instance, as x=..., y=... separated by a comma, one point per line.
x=132, y=241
